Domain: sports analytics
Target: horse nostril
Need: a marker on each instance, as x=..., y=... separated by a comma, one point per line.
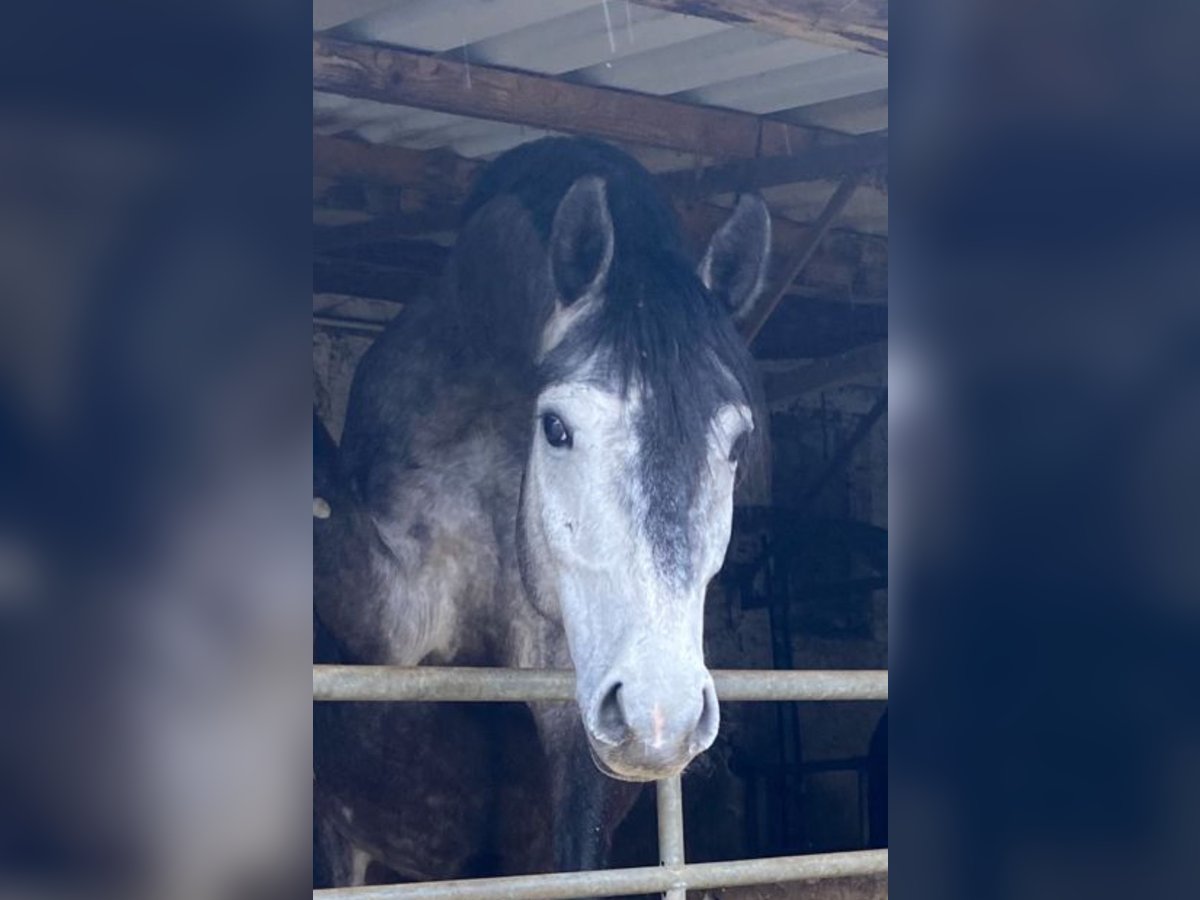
x=611, y=726
x=710, y=718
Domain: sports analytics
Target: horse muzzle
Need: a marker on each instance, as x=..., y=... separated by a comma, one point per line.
x=647, y=726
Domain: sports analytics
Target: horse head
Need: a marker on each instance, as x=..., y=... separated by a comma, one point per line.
x=645, y=403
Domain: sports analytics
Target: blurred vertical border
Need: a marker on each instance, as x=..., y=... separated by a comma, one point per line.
x=155, y=388
x=1045, y=449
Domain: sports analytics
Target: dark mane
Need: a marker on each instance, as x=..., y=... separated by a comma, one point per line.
x=657, y=328
x=540, y=173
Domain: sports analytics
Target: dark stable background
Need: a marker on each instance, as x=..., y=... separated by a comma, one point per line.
x=155, y=390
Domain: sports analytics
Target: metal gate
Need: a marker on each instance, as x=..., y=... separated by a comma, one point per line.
x=674, y=876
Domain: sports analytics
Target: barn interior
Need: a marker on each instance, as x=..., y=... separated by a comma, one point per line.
x=412, y=97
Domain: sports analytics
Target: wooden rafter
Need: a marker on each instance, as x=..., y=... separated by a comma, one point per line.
x=387, y=227
x=848, y=268
x=390, y=75
x=850, y=24
x=444, y=173
x=844, y=265
x=799, y=258
x=814, y=164
x=436, y=172
x=354, y=278
x=782, y=388
x=842, y=456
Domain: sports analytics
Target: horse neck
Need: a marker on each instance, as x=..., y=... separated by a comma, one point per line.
x=496, y=295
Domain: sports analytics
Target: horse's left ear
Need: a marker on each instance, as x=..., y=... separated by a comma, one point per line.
x=581, y=241
x=735, y=266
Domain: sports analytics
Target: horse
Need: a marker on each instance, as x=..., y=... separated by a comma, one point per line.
x=537, y=470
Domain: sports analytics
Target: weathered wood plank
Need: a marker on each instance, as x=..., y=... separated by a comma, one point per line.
x=814, y=164
x=809, y=328
x=843, y=453
x=846, y=265
x=850, y=24
x=391, y=75
x=357, y=279
x=444, y=173
x=387, y=227
x=782, y=388
x=794, y=263
x=418, y=256
x=433, y=171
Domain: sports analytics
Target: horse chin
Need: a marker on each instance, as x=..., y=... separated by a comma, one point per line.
x=635, y=775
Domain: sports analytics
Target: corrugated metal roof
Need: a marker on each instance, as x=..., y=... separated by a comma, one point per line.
x=613, y=43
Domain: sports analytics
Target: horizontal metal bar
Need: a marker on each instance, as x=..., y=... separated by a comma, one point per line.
x=347, y=324
x=620, y=882
x=449, y=684
x=813, y=684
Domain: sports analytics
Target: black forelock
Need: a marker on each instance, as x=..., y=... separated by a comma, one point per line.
x=661, y=332
x=657, y=329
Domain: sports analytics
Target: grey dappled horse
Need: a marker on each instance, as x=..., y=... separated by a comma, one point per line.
x=537, y=470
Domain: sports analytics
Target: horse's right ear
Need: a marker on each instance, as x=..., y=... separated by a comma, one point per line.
x=581, y=241
x=735, y=266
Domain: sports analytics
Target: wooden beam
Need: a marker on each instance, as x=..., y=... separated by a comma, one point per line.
x=846, y=265
x=783, y=388
x=417, y=256
x=809, y=327
x=814, y=164
x=445, y=174
x=364, y=280
x=325, y=304
x=860, y=25
x=757, y=317
x=436, y=172
x=402, y=77
x=849, y=265
x=354, y=326
x=845, y=451
x=418, y=222
x=346, y=311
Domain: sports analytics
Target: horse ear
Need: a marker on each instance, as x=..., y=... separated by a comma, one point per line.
x=581, y=241
x=735, y=266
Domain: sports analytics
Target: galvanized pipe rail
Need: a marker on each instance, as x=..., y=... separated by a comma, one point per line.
x=674, y=877
x=621, y=882
x=670, y=829
x=470, y=685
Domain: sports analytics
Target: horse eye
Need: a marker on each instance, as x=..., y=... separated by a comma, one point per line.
x=555, y=431
x=738, y=448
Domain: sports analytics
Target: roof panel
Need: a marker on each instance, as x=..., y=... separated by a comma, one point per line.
x=331, y=13
x=598, y=34
x=438, y=25
x=859, y=114
x=408, y=128
x=497, y=140
x=828, y=78
x=722, y=56
x=865, y=211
